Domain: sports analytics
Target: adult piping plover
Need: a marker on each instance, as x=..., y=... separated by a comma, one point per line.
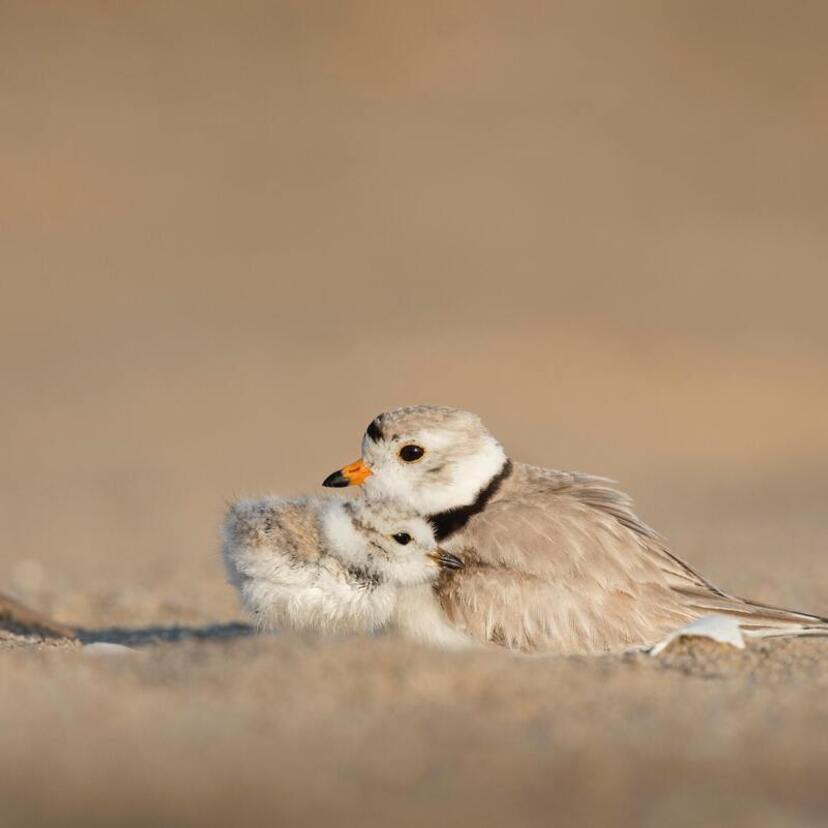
x=554, y=561
x=337, y=566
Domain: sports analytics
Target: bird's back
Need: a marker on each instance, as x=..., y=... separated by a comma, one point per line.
x=263, y=535
x=560, y=562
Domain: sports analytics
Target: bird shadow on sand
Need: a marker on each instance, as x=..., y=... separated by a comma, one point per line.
x=18, y=619
x=158, y=634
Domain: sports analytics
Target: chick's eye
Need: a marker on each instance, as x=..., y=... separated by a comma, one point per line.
x=402, y=538
x=411, y=453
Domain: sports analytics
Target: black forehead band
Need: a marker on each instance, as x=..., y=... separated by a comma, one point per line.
x=374, y=431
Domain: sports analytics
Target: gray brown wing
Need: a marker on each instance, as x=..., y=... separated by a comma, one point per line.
x=563, y=579
x=575, y=573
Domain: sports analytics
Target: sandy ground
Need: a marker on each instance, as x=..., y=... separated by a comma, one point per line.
x=229, y=236
x=300, y=731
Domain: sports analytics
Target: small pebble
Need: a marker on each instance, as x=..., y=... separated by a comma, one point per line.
x=104, y=648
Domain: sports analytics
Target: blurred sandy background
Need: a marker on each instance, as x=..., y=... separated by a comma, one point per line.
x=230, y=234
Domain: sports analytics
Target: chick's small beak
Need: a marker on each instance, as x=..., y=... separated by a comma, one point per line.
x=445, y=560
x=354, y=474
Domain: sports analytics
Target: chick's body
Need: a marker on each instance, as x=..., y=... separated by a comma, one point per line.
x=332, y=566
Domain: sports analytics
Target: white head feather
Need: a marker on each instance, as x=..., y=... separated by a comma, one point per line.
x=459, y=457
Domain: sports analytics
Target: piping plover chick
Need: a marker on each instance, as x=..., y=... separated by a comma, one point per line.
x=336, y=566
x=554, y=561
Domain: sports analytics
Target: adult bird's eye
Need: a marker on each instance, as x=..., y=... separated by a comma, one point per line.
x=411, y=453
x=402, y=538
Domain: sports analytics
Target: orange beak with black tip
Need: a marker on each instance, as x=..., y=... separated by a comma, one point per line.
x=353, y=475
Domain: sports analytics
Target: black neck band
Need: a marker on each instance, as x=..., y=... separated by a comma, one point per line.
x=452, y=520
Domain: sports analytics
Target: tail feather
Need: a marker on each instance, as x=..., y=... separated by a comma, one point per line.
x=756, y=619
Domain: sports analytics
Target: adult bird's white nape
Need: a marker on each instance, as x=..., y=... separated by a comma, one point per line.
x=554, y=561
x=336, y=566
